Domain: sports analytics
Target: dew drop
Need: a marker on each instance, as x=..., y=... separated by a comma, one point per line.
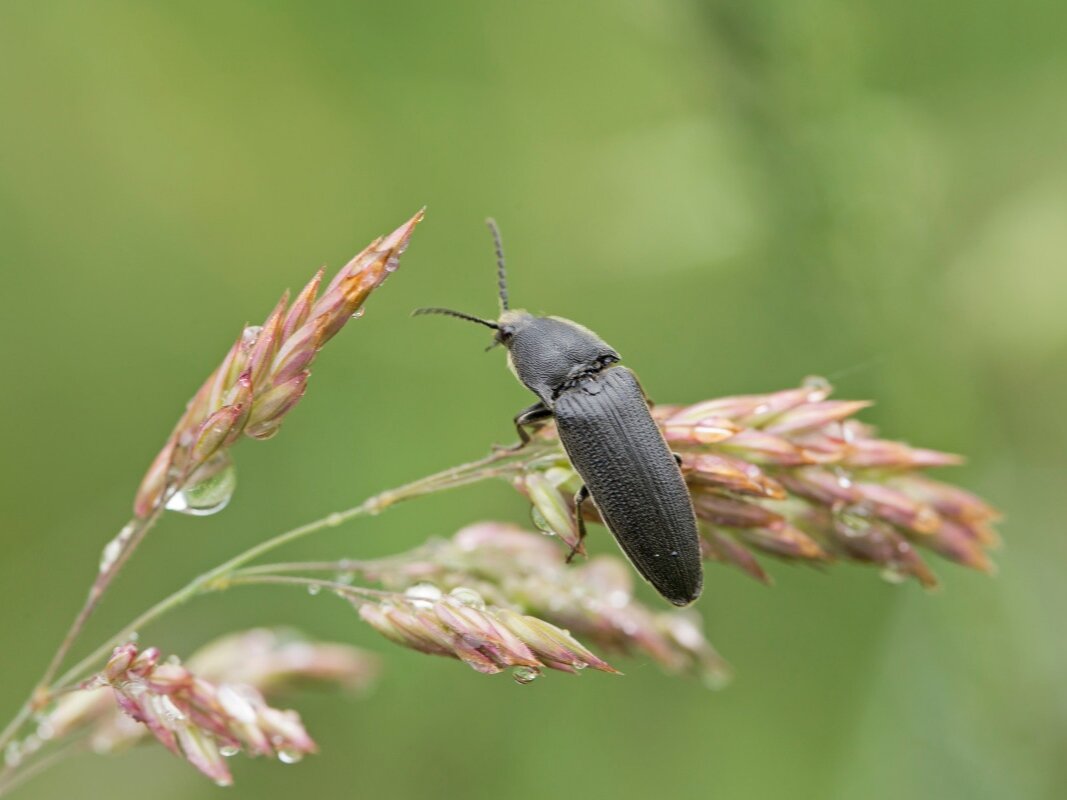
x=468, y=597
x=287, y=755
x=13, y=754
x=359, y=312
x=45, y=730
x=335, y=519
x=314, y=589
x=113, y=549
x=894, y=574
x=853, y=519
x=229, y=750
x=843, y=479
x=209, y=490
x=170, y=715
x=540, y=522
x=422, y=595
x=819, y=388
x=250, y=334
x=525, y=675
x=174, y=660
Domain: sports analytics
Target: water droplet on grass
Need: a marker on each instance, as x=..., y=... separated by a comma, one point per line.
x=423, y=595
x=525, y=675
x=290, y=756
x=468, y=597
x=113, y=549
x=210, y=488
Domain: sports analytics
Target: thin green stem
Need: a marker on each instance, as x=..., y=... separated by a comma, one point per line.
x=344, y=589
x=16, y=776
x=343, y=565
x=497, y=464
x=124, y=543
x=500, y=463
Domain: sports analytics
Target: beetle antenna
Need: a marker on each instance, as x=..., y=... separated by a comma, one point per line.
x=448, y=312
x=501, y=271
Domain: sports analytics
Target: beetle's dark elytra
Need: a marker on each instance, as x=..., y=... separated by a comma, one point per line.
x=610, y=437
x=633, y=478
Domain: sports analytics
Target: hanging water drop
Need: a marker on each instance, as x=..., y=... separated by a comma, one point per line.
x=209, y=489
x=894, y=573
x=540, y=522
x=314, y=589
x=525, y=675
x=359, y=312
x=229, y=750
x=288, y=755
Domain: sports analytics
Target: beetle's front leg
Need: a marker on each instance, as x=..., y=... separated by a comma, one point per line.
x=580, y=497
x=527, y=421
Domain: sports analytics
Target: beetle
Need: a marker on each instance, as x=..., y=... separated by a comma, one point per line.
x=604, y=423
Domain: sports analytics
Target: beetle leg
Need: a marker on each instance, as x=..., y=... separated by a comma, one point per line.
x=678, y=458
x=529, y=418
x=580, y=497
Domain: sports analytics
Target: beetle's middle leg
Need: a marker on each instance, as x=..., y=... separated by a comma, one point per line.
x=580, y=497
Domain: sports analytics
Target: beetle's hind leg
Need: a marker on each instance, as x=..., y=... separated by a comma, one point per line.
x=527, y=422
x=580, y=497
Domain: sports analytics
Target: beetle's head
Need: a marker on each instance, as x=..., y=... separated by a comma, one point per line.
x=545, y=353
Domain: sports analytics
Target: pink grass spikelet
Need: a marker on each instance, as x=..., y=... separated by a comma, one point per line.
x=488, y=639
x=198, y=720
x=794, y=475
x=264, y=374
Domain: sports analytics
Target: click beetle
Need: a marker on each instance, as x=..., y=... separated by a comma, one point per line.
x=604, y=423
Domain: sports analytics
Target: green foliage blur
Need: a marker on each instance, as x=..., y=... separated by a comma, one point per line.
x=735, y=194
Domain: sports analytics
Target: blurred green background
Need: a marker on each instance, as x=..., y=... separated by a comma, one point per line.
x=734, y=194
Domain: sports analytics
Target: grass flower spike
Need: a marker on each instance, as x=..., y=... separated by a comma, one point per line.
x=260, y=380
x=488, y=639
x=792, y=474
x=199, y=720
